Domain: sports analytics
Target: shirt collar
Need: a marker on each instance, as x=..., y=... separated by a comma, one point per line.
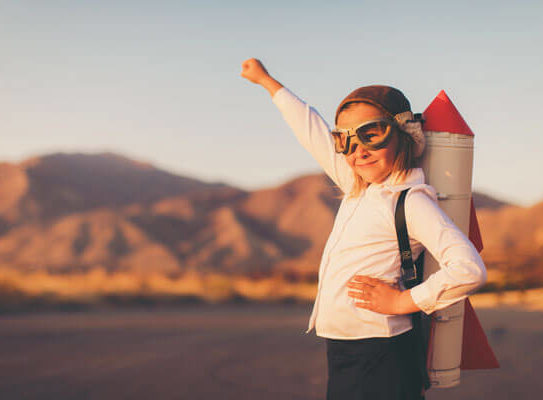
x=413, y=178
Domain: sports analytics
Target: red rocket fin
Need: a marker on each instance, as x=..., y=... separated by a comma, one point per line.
x=476, y=351
x=474, y=231
x=442, y=116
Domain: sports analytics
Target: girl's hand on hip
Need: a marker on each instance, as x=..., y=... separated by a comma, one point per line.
x=377, y=295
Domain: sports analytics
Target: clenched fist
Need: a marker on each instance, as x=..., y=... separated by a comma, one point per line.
x=253, y=70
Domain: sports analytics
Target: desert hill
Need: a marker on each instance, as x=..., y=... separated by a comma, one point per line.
x=58, y=184
x=483, y=201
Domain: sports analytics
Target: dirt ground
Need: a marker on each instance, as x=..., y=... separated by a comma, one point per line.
x=220, y=352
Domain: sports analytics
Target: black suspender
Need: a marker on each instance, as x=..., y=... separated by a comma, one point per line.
x=410, y=276
x=411, y=273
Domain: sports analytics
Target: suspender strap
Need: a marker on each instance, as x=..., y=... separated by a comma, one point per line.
x=409, y=270
x=411, y=277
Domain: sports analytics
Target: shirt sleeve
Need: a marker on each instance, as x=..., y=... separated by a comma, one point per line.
x=314, y=135
x=462, y=270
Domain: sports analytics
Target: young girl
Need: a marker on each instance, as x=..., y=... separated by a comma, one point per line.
x=360, y=308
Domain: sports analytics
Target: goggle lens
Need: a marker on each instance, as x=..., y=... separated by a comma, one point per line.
x=373, y=134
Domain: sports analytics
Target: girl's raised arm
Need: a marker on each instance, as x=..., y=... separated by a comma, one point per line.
x=309, y=127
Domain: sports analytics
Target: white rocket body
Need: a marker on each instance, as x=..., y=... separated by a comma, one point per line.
x=448, y=164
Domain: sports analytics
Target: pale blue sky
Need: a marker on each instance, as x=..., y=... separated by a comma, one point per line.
x=159, y=80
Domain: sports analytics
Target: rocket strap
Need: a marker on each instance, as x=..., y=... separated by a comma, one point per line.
x=412, y=274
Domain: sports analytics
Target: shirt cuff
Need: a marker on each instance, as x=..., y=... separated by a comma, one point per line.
x=422, y=297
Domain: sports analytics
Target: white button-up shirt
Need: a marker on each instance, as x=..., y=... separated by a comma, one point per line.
x=363, y=240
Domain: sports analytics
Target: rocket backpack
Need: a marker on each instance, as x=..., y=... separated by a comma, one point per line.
x=455, y=339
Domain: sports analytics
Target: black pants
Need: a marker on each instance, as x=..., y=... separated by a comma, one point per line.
x=374, y=369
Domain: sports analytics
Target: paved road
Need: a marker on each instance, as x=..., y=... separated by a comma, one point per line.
x=222, y=352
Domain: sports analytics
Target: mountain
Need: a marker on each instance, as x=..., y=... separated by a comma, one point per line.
x=59, y=184
x=65, y=213
x=71, y=212
x=483, y=201
x=76, y=212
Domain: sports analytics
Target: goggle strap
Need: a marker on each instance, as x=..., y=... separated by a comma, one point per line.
x=347, y=150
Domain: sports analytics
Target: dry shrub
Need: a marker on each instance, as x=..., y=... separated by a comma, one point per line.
x=93, y=285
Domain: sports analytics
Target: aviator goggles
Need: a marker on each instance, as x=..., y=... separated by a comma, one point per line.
x=371, y=135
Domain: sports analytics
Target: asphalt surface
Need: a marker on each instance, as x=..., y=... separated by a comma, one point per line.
x=220, y=352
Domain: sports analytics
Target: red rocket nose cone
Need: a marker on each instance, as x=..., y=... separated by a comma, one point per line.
x=442, y=116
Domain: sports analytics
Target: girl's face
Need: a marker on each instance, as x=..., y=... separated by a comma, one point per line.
x=374, y=166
